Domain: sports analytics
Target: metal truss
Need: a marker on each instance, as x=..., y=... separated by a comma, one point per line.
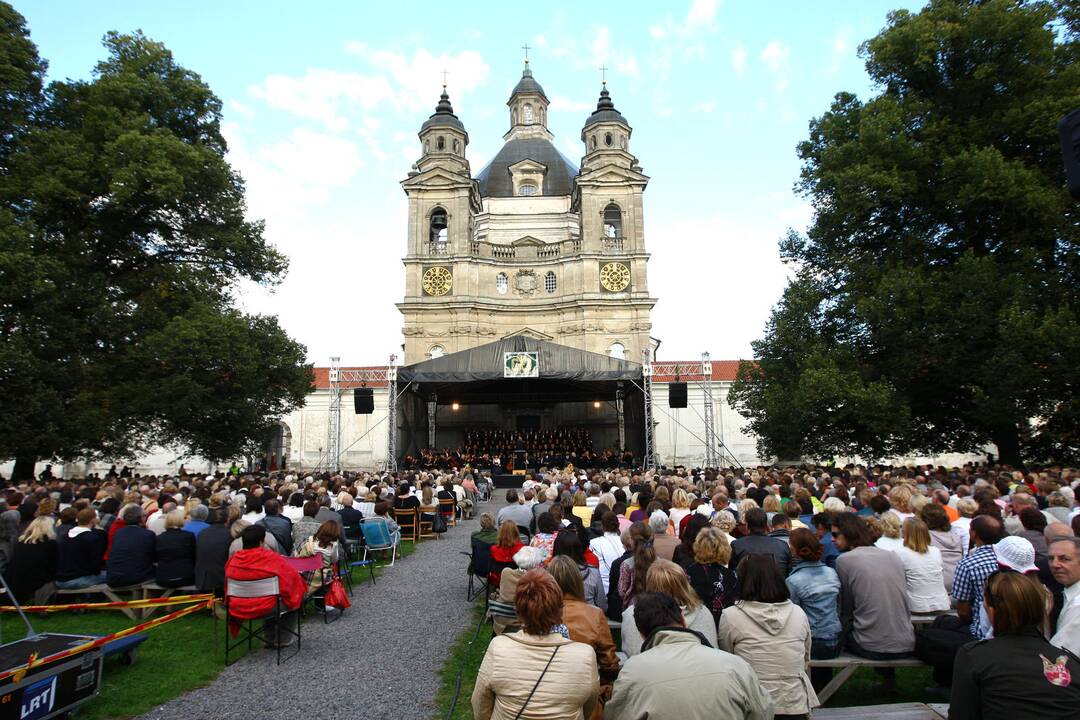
x=342, y=379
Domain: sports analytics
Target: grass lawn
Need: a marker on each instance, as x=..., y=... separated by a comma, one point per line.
x=178, y=656
x=466, y=656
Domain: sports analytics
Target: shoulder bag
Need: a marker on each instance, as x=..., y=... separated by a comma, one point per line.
x=542, y=673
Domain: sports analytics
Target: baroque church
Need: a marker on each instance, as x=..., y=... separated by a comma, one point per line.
x=531, y=245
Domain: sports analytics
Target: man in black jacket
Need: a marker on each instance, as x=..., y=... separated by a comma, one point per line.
x=350, y=516
x=758, y=543
x=277, y=525
x=211, y=553
x=132, y=555
x=81, y=553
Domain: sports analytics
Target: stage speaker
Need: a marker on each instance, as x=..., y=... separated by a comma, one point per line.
x=363, y=401
x=676, y=395
x=1069, y=127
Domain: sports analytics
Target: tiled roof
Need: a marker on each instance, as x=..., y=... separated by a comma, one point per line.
x=722, y=371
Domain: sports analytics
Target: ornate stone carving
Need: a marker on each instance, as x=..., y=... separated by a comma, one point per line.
x=413, y=331
x=525, y=282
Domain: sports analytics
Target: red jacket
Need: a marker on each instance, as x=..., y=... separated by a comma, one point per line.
x=256, y=564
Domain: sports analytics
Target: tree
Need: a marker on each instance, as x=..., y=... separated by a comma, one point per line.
x=935, y=303
x=121, y=233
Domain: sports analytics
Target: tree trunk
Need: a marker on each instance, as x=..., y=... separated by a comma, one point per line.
x=1007, y=439
x=24, y=468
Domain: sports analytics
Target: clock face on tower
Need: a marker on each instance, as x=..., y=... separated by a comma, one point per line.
x=614, y=277
x=437, y=281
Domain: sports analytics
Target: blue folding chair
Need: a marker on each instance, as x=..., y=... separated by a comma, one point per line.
x=377, y=537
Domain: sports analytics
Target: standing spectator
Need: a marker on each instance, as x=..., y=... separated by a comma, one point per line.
x=537, y=670
x=131, y=558
x=1016, y=674
x=679, y=677
x=759, y=543
x=922, y=570
x=874, y=609
x=1065, y=567
x=175, y=549
x=668, y=578
x=81, y=556
x=815, y=587
x=278, y=525
x=33, y=564
x=771, y=633
x=714, y=582
x=948, y=543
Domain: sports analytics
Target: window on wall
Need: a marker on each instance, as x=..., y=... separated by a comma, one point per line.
x=436, y=351
x=612, y=221
x=550, y=282
x=438, y=236
x=526, y=189
x=617, y=351
x=607, y=139
x=527, y=111
x=441, y=143
x=502, y=283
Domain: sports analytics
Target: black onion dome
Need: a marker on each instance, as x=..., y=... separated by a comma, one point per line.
x=527, y=84
x=444, y=115
x=495, y=179
x=605, y=111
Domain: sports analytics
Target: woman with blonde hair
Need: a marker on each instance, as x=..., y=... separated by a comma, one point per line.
x=714, y=582
x=581, y=508
x=771, y=506
x=680, y=508
x=666, y=577
x=889, y=525
x=923, y=570
x=32, y=567
x=900, y=500
x=724, y=521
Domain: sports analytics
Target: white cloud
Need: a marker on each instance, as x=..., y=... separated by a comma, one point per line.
x=601, y=45
x=842, y=41
x=702, y=12
x=657, y=32
x=738, y=59
x=776, y=55
x=417, y=79
x=627, y=66
x=321, y=95
x=560, y=103
x=239, y=108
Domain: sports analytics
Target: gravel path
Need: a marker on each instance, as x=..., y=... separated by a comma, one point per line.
x=379, y=660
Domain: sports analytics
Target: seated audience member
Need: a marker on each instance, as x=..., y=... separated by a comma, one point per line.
x=823, y=523
x=487, y=532
x=324, y=544
x=32, y=568
x=607, y=548
x=889, y=524
x=295, y=508
x=80, y=558
x=815, y=587
x=515, y=510
x=1017, y=673
x=350, y=516
x=175, y=549
x=255, y=561
x=663, y=544
x=781, y=526
x=197, y=523
x=632, y=571
x=326, y=513
x=537, y=672
x=277, y=525
x=771, y=633
x=923, y=571
x=237, y=528
x=668, y=578
x=586, y=623
x=683, y=556
x=678, y=676
x=131, y=558
x=547, y=527
x=502, y=609
x=1034, y=523
x=569, y=545
x=506, y=546
x=1064, y=554
x=714, y=582
x=253, y=509
x=307, y=525
x=948, y=543
x=874, y=607
x=212, y=552
x=614, y=599
x=382, y=509
x=759, y=543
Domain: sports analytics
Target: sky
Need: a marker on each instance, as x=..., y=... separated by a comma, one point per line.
x=323, y=101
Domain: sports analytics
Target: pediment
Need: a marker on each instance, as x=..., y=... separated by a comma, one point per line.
x=612, y=174
x=526, y=166
x=437, y=177
x=529, y=332
x=527, y=241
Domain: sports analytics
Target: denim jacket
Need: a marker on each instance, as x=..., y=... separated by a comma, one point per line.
x=815, y=588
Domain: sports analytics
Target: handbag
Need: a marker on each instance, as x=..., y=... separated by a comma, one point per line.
x=438, y=523
x=542, y=673
x=336, y=596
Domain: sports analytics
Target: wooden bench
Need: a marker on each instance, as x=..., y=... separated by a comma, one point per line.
x=897, y=711
x=848, y=664
x=145, y=591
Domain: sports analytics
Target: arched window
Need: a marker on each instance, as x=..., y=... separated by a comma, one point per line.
x=526, y=189
x=612, y=221
x=617, y=351
x=441, y=143
x=438, y=232
x=436, y=351
x=528, y=113
x=502, y=283
x=551, y=283
x=607, y=139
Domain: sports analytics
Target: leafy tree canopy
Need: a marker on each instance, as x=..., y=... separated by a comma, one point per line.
x=122, y=231
x=935, y=300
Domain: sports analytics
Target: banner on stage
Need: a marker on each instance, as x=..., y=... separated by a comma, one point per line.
x=521, y=365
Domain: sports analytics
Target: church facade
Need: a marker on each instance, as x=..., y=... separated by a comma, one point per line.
x=532, y=244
